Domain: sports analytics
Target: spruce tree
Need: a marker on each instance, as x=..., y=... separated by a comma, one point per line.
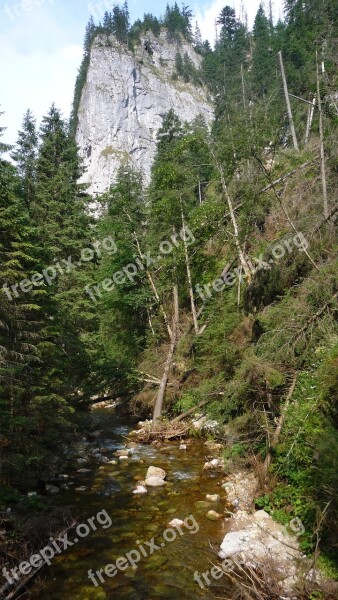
x=24, y=155
x=59, y=207
x=263, y=61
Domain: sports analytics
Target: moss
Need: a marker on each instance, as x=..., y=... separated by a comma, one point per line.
x=121, y=155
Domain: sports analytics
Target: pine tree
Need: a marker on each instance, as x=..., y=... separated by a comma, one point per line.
x=230, y=54
x=89, y=35
x=60, y=201
x=263, y=61
x=24, y=155
x=198, y=41
x=108, y=22
x=18, y=317
x=120, y=23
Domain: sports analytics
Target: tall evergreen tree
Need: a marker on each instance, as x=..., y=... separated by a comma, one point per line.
x=24, y=155
x=60, y=201
x=263, y=61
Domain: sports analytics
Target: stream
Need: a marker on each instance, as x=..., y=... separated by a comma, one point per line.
x=168, y=572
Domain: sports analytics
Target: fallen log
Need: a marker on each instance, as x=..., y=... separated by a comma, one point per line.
x=191, y=411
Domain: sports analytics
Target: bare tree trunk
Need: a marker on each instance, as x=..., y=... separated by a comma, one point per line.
x=200, y=192
x=154, y=289
x=288, y=104
x=191, y=290
x=309, y=120
x=241, y=254
x=280, y=423
x=322, y=151
x=163, y=386
x=243, y=87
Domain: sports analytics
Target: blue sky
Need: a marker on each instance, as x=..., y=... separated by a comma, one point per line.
x=41, y=48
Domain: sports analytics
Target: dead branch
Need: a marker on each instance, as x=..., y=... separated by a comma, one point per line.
x=287, y=175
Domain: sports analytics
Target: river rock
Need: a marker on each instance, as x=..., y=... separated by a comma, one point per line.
x=83, y=471
x=122, y=452
x=213, y=497
x=82, y=488
x=155, y=481
x=156, y=472
x=140, y=489
x=123, y=457
x=176, y=523
x=113, y=462
x=94, y=434
x=216, y=463
x=198, y=423
x=259, y=541
x=214, y=516
x=183, y=447
x=52, y=490
x=241, y=489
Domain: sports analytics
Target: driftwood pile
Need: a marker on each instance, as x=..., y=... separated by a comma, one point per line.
x=160, y=432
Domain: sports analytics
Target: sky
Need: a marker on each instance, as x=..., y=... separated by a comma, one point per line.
x=41, y=48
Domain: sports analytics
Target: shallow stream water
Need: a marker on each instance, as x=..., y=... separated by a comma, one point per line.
x=168, y=573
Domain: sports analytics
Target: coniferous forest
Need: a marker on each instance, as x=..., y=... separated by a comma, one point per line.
x=237, y=320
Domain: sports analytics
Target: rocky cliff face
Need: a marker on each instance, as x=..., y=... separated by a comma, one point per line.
x=124, y=100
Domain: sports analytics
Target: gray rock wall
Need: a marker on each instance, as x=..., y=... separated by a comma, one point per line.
x=124, y=100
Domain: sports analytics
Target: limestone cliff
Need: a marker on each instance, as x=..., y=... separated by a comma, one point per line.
x=124, y=100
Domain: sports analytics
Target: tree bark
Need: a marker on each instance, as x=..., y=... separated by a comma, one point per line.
x=322, y=150
x=309, y=120
x=163, y=386
x=191, y=291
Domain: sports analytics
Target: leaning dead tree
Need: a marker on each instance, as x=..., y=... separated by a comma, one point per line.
x=288, y=103
x=168, y=365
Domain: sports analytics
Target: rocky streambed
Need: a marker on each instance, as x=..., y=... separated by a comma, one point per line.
x=170, y=516
x=102, y=476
